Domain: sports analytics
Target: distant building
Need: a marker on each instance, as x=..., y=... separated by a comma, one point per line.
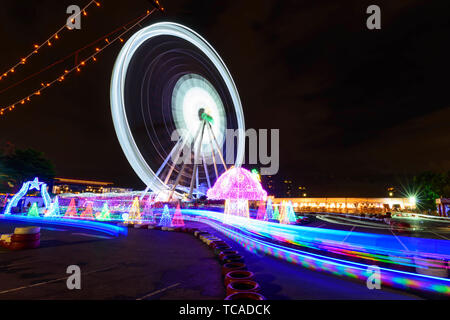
x=288, y=188
x=64, y=185
x=269, y=184
x=349, y=205
x=443, y=207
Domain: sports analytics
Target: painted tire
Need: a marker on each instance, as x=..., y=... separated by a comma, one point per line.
x=226, y=253
x=25, y=237
x=242, y=286
x=27, y=230
x=238, y=275
x=24, y=245
x=232, y=258
x=217, y=243
x=245, y=296
x=232, y=266
x=202, y=233
x=3, y=237
x=219, y=249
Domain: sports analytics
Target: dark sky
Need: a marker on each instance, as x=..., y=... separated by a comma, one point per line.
x=357, y=110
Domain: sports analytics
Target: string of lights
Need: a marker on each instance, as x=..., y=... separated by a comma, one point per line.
x=47, y=42
x=76, y=68
x=74, y=53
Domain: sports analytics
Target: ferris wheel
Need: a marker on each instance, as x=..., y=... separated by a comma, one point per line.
x=172, y=100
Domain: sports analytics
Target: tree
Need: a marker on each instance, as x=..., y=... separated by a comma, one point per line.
x=23, y=165
x=430, y=186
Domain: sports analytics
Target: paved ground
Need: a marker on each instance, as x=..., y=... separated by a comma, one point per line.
x=423, y=228
x=147, y=264
x=282, y=280
x=152, y=264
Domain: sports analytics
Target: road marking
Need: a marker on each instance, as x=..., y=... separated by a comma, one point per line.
x=348, y=234
x=437, y=234
x=91, y=235
x=158, y=291
x=361, y=224
x=51, y=281
x=18, y=264
x=398, y=239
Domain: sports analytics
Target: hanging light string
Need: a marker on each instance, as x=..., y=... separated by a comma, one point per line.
x=47, y=42
x=125, y=26
x=77, y=67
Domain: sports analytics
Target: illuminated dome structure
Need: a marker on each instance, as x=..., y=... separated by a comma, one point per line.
x=237, y=186
x=171, y=92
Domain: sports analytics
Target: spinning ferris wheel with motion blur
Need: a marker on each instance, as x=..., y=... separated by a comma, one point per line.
x=172, y=100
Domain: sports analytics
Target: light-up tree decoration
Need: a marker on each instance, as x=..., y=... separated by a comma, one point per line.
x=269, y=210
x=282, y=215
x=236, y=186
x=33, y=211
x=261, y=211
x=148, y=213
x=290, y=216
x=88, y=213
x=54, y=210
x=166, y=219
x=134, y=216
x=71, y=211
x=177, y=220
x=276, y=213
x=104, y=215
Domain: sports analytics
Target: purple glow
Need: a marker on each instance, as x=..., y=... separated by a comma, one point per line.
x=237, y=184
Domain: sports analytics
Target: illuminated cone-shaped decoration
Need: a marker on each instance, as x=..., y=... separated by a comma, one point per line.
x=166, y=219
x=261, y=211
x=87, y=213
x=290, y=214
x=177, y=220
x=33, y=211
x=104, y=215
x=71, y=210
x=148, y=213
x=134, y=216
x=282, y=216
x=269, y=210
x=53, y=211
x=276, y=214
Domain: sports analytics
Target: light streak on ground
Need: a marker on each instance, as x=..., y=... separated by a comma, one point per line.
x=75, y=223
x=258, y=236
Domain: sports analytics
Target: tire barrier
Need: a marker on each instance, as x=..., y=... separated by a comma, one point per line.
x=245, y=296
x=238, y=275
x=242, y=286
x=232, y=258
x=227, y=252
x=213, y=244
x=219, y=249
x=231, y=266
x=22, y=238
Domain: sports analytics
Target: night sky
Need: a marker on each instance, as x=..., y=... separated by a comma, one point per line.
x=358, y=110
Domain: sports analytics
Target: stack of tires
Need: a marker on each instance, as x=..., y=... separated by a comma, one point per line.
x=240, y=283
x=22, y=238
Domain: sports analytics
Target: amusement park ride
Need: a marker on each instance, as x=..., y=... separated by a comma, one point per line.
x=173, y=101
x=190, y=95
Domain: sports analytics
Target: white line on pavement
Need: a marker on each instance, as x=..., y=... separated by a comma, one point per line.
x=50, y=281
x=158, y=291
